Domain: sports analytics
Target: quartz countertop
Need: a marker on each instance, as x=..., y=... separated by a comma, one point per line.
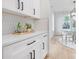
x=13, y=38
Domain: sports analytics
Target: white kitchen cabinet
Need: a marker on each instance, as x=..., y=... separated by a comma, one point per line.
x=36, y=8
x=37, y=48
x=28, y=7
x=18, y=51
x=15, y=51
x=31, y=8
x=28, y=49
x=25, y=7
x=44, y=45
x=31, y=51
x=12, y=5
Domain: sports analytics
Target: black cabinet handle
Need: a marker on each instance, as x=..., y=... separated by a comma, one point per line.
x=18, y=4
x=22, y=6
x=33, y=54
x=31, y=43
x=44, y=35
x=43, y=45
x=34, y=11
x=30, y=55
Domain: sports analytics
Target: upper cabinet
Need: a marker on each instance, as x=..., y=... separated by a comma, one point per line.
x=25, y=7
x=12, y=5
x=36, y=8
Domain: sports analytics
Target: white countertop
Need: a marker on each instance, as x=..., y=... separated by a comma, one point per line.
x=9, y=39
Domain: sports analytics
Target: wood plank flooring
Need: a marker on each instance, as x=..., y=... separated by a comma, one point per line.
x=59, y=51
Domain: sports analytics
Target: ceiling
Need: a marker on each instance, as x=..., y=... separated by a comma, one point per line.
x=62, y=5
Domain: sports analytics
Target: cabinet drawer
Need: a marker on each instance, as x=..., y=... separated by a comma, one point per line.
x=22, y=49
x=24, y=43
x=15, y=46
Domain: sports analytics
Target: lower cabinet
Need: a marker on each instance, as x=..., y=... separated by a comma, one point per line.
x=37, y=51
x=15, y=51
x=44, y=45
x=33, y=48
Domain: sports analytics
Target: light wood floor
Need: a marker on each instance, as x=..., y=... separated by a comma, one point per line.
x=58, y=51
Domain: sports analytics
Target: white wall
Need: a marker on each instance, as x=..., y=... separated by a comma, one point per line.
x=62, y=5
x=44, y=9
x=51, y=25
x=47, y=16
x=59, y=20
x=41, y=25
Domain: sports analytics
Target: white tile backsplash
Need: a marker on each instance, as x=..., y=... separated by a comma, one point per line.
x=41, y=24
x=9, y=22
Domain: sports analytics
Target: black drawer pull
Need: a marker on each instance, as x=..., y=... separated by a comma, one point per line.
x=31, y=43
x=34, y=11
x=43, y=45
x=30, y=55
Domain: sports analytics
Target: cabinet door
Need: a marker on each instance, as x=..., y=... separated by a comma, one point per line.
x=13, y=53
x=12, y=5
x=36, y=8
x=18, y=50
x=37, y=51
x=36, y=48
x=28, y=7
x=44, y=45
